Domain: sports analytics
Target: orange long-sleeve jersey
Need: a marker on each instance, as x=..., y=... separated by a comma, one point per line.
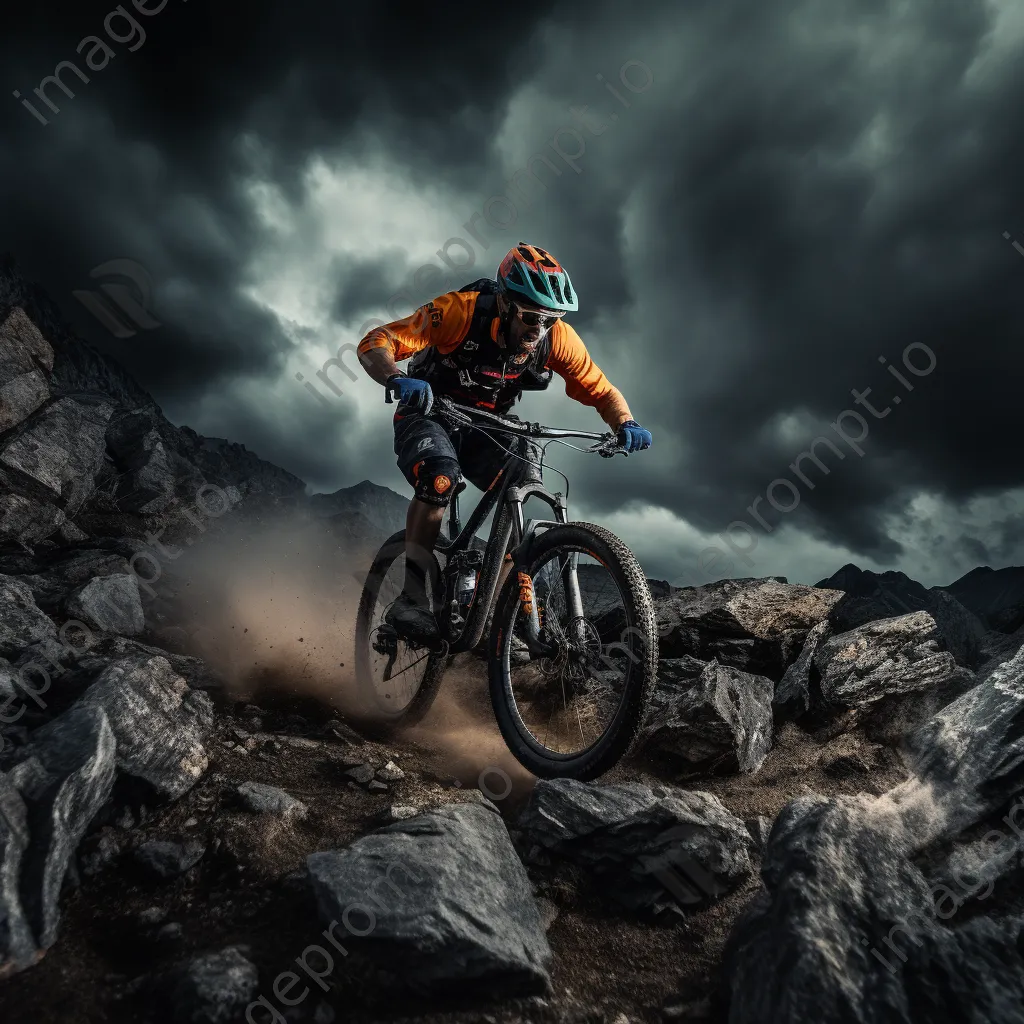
x=445, y=321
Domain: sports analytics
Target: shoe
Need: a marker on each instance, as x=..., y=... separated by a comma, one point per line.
x=412, y=619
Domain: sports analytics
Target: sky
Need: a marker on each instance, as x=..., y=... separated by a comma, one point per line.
x=767, y=208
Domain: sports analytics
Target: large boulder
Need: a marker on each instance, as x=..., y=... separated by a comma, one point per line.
x=26, y=360
x=649, y=849
x=709, y=713
x=436, y=902
x=793, y=694
x=111, y=604
x=892, y=668
x=755, y=625
x=848, y=929
x=27, y=520
x=152, y=472
x=76, y=754
x=21, y=621
x=59, y=450
x=51, y=581
x=160, y=723
x=971, y=754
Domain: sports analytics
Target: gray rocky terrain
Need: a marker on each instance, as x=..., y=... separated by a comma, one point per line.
x=823, y=820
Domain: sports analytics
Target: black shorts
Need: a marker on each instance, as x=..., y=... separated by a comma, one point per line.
x=481, y=454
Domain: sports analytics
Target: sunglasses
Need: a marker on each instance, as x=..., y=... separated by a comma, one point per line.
x=534, y=318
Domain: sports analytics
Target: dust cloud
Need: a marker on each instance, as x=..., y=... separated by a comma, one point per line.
x=271, y=607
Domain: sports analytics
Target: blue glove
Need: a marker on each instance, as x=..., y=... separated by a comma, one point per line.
x=633, y=437
x=410, y=392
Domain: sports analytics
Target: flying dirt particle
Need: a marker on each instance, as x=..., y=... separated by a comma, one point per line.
x=300, y=639
x=246, y=630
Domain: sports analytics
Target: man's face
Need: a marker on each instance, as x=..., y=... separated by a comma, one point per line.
x=525, y=336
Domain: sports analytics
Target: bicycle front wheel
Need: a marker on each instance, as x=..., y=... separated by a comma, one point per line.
x=574, y=712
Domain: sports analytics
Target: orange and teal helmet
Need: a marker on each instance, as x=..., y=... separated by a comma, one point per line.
x=530, y=273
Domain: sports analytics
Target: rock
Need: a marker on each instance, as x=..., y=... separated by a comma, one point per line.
x=263, y=799
x=26, y=360
x=21, y=622
x=110, y=604
x=870, y=597
x=399, y=812
x=28, y=521
x=896, y=661
x=390, y=772
x=152, y=473
x=60, y=450
x=548, y=912
x=759, y=829
x=997, y=648
x=362, y=773
x=377, y=787
x=76, y=749
x=170, y=933
x=848, y=930
x=107, y=648
x=101, y=856
x=971, y=754
x=165, y=859
x=793, y=693
x=29, y=777
x=751, y=624
x=650, y=849
x=52, y=581
x=455, y=907
x=160, y=724
x=152, y=916
x=722, y=715
x=213, y=989
x=17, y=944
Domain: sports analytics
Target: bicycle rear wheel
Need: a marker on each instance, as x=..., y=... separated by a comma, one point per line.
x=397, y=679
x=575, y=712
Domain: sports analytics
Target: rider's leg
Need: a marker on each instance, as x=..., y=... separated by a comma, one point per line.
x=422, y=526
x=428, y=461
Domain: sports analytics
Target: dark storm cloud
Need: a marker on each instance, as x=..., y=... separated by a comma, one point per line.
x=770, y=204
x=805, y=187
x=110, y=175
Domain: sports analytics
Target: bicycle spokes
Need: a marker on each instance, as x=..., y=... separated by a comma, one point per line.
x=567, y=698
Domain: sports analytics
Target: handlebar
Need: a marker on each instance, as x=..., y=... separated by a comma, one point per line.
x=467, y=415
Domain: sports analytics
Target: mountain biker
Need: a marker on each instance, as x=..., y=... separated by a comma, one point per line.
x=482, y=345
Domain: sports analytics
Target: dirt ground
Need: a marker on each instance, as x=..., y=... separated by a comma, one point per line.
x=241, y=891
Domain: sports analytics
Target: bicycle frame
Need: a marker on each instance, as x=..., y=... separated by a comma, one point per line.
x=510, y=532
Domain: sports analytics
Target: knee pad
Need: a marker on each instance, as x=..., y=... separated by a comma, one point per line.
x=436, y=480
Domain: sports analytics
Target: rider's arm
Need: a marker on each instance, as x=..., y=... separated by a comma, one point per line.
x=584, y=380
x=442, y=323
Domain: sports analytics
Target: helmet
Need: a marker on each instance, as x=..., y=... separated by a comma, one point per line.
x=535, y=275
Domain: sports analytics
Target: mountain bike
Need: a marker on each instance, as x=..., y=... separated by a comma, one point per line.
x=572, y=640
